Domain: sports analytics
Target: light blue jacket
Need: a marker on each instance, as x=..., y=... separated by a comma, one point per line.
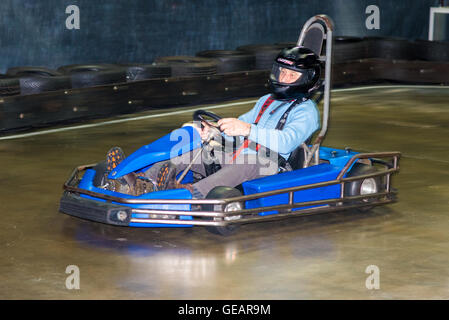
x=302, y=122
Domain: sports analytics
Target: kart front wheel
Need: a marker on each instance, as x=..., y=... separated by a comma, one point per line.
x=363, y=186
x=100, y=174
x=222, y=193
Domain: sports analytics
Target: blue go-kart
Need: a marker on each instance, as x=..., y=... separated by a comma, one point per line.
x=315, y=179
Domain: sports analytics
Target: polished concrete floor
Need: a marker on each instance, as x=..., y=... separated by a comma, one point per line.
x=315, y=257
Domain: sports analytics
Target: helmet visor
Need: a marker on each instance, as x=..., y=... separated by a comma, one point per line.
x=286, y=76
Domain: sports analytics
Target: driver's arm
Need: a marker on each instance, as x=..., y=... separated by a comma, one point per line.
x=249, y=116
x=299, y=127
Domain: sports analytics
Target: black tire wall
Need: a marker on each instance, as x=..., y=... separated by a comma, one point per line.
x=93, y=74
x=347, y=49
x=9, y=86
x=230, y=60
x=33, y=80
x=182, y=66
x=136, y=71
x=37, y=84
x=389, y=48
x=265, y=54
x=431, y=50
x=104, y=90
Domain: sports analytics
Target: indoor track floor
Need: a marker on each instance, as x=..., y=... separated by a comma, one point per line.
x=315, y=257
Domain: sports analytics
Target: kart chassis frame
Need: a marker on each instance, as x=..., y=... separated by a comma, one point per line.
x=222, y=218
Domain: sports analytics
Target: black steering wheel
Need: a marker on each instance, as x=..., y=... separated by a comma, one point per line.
x=200, y=115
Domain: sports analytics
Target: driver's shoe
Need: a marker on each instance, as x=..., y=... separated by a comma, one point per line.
x=114, y=156
x=187, y=186
x=131, y=183
x=166, y=177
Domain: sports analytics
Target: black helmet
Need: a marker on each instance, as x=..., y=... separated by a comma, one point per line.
x=306, y=68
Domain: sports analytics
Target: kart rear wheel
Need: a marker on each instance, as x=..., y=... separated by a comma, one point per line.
x=221, y=193
x=364, y=186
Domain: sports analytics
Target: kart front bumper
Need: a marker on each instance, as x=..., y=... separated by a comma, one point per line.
x=103, y=212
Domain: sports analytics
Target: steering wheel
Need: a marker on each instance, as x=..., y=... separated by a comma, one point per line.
x=200, y=115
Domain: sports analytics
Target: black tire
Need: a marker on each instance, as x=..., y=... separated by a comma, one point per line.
x=136, y=72
x=32, y=71
x=100, y=173
x=347, y=49
x=354, y=188
x=221, y=193
x=411, y=71
x=34, y=84
x=94, y=74
x=80, y=68
x=189, y=66
x=32, y=80
x=431, y=50
x=9, y=86
x=230, y=60
x=265, y=54
x=389, y=48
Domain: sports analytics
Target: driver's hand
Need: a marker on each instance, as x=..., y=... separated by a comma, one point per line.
x=234, y=127
x=204, y=132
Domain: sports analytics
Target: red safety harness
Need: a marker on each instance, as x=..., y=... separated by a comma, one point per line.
x=279, y=126
x=246, y=142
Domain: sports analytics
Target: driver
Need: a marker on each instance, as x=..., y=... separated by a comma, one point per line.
x=278, y=124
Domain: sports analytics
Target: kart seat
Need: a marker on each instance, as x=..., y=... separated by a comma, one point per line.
x=314, y=37
x=296, y=159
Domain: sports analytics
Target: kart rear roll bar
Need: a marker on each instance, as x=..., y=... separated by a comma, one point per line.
x=326, y=25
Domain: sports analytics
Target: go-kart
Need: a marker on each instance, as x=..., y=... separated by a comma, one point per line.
x=315, y=179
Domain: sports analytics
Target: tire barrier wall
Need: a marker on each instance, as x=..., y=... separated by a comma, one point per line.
x=264, y=53
x=82, y=76
x=31, y=111
x=9, y=86
x=35, y=97
x=34, y=80
x=189, y=66
x=136, y=72
x=230, y=60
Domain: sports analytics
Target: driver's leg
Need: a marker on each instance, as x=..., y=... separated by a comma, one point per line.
x=245, y=167
x=163, y=173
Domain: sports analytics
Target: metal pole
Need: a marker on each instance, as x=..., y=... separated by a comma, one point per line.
x=431, y=23
x=189, y=166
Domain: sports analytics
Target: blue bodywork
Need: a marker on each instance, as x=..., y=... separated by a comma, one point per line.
x=169, y=146
x=314, y=174
x=186, y=139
